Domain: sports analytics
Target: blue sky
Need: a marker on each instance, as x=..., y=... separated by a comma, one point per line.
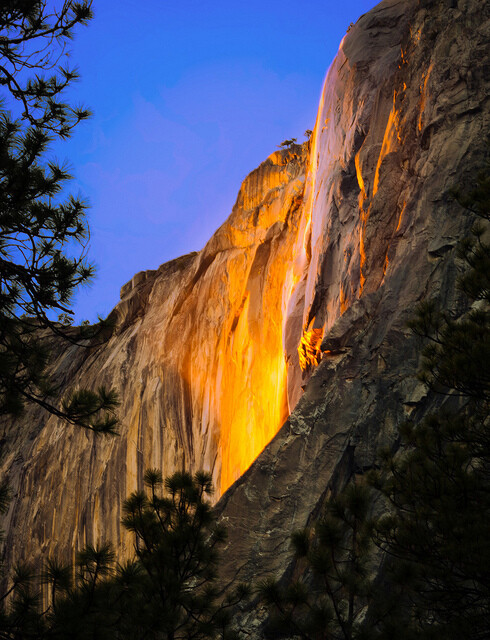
x=188, y=98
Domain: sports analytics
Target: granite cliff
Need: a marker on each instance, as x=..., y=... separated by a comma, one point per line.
x=297, y=307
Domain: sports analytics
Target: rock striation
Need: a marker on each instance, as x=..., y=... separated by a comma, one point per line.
x=297, y=307
x=197, y=357
x=403, y=117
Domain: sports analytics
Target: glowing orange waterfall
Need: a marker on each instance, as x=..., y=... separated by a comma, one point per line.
x=271, y=338
x=251, y=415
x=244, y=380
x=251, y=398
x=291, y=259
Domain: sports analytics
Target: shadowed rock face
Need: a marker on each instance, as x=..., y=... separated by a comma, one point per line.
x=403, y=118
x=307, y=286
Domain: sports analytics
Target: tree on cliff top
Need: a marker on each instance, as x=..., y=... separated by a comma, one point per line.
x=39, y=230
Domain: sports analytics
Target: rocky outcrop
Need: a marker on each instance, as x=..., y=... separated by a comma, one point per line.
x=299, y=301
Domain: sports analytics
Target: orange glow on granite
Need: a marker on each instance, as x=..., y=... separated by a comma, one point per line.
x=388, y=144
x=311, y=176
x=391, y=140
x=401, y=216
x=423, y=94
x=360, y=181
x=309, y=348
x=251, y=378
x=235, y=373
x=363, y=215
x=251, y=413
x=343, y=300
x=362, y=253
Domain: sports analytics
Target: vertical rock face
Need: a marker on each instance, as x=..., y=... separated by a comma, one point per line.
x=306, y=287
x=403, y=117
x=404, y=77
x=198, y=360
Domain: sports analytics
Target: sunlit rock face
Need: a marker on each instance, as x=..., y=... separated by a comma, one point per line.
x=403, y=117
x=198, y=360
x=299, y=300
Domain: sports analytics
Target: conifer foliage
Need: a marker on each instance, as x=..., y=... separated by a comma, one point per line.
x=40, y=229
x=330, y=601
x=176, y=542
x=167, y=591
